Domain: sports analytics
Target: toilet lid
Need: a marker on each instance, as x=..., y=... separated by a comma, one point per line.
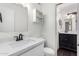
x=49, y=51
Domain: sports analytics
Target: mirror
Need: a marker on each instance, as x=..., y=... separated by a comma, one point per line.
x=70, y=22
x=13, y=17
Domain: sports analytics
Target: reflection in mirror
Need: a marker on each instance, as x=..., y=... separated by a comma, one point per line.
x=13, y=17
x=67, y=28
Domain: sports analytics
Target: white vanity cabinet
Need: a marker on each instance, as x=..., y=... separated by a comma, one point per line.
x=36, y=51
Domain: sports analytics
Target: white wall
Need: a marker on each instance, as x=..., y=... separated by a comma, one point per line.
x=34, y=29
x=78, y=24
x=49, y=27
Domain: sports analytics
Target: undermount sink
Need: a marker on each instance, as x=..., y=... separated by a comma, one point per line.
x=21, y=43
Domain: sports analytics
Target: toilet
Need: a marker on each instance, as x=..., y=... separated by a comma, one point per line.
x=49, y=52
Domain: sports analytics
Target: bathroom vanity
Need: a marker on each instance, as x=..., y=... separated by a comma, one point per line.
x=68, y=41
x=27, y=47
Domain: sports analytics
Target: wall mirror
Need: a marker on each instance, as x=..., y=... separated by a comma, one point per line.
x=13, y=17
x=71, y=22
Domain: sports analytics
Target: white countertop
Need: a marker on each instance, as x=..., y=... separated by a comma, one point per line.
x=15, y=47
x=68, y=33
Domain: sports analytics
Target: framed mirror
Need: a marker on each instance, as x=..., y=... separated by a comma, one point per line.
x=13, y=17
x=71, y=22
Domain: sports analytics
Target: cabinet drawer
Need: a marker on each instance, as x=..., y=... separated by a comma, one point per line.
x=68, y=41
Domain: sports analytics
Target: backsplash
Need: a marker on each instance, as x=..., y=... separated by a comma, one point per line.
x=9, y=36
x=5, y=37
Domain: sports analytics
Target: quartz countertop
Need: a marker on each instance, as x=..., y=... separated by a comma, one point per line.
x=13, y=48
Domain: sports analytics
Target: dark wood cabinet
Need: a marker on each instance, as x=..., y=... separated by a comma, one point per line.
x=68, y=41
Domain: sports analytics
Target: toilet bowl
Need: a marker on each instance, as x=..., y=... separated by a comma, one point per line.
x=49, y=52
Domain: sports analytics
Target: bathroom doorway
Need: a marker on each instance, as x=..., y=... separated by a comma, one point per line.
x=67, y=29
